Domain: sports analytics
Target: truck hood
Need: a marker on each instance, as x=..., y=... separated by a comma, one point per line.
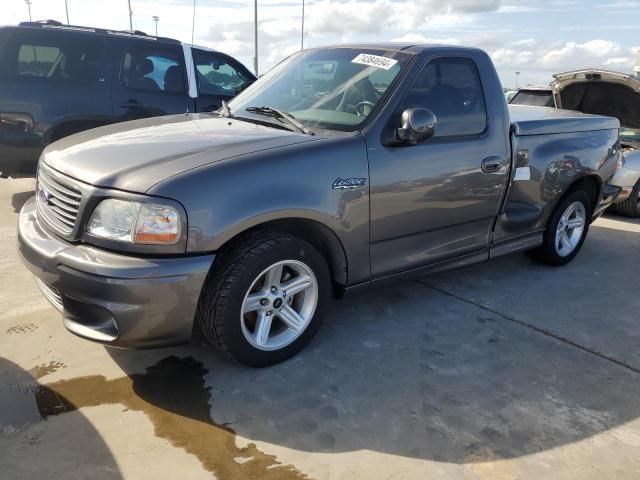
x=600, y=92
x=136, y=155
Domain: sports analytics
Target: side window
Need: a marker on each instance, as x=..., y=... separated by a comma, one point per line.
x=217, y=76
x=51, y=59
x=37, y=60
x=153, y=69
x=450, y=88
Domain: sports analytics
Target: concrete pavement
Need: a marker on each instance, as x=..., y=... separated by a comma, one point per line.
x=502, y=370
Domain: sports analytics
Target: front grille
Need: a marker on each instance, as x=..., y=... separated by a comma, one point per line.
x=50, y=294
x=58, y=202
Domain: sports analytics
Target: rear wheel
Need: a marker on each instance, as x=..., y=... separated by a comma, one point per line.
x=631, y=206
x=263, y=300
x=566, y=230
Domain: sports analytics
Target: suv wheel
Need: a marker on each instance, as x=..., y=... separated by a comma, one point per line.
x=263, y=300
x=566, y=230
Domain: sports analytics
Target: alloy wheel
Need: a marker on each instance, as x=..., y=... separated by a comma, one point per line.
x=279, y=305
x=570, y=229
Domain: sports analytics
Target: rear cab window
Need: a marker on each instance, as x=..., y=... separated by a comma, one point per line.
x=450, y=87
x=153, y=68
x=534, y=98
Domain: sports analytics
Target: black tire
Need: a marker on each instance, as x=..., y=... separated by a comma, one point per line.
x=547, y=252
x=631, y=206
x=234, y=271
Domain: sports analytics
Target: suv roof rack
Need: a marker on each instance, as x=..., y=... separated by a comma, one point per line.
x=55, y=24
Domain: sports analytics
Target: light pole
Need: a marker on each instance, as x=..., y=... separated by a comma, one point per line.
x=302, y=30
x=66, y=9
x=130, y=17
x=517, y=77
x=193, y=23
x=255, y=36
x=28, y=2
x=155, y=19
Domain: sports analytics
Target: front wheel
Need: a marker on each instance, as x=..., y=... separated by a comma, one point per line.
x=264, y=298
x=566, y=230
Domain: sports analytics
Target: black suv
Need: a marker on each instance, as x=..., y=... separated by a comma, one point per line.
x=56, y=80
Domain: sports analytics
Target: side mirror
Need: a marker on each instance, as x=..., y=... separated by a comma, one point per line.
x=418, y=125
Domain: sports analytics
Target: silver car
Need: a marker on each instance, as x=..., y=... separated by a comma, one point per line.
x=606, y=93
x=617, y=95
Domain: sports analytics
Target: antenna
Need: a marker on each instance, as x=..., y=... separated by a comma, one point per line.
x=255, y=36
x=130, y=17
x=28, y=2
x=302, y=29
x=193, y=23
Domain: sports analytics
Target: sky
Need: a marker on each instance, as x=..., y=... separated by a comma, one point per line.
x=536, y=38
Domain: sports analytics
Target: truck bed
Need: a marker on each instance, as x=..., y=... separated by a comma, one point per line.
x=527, y=120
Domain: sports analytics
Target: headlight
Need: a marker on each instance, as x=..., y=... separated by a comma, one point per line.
x=135, y=222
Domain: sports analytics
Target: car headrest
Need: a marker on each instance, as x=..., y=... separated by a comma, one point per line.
x=173, y=79
x=144, y=67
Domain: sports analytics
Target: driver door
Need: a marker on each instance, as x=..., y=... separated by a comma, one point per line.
x=435, y=200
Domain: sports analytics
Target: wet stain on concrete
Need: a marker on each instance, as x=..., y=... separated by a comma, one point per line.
x=24, y=328
x=173, y=395
x=43, y=369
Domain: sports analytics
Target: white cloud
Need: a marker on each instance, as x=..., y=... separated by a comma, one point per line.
x=420, y=39
x=517, y=33
x=534, y=54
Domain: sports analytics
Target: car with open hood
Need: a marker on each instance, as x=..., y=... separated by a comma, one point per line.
x=617, y=95
x=342, y=168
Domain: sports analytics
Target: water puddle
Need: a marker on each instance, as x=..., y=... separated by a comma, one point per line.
x=172, y=393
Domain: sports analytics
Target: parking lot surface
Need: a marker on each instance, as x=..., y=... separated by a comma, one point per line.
x=502, y=370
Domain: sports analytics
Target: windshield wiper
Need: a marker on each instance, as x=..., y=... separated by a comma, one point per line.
x=279, y=114
x=226, y=111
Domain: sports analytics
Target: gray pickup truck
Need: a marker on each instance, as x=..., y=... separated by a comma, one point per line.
x=340, y=168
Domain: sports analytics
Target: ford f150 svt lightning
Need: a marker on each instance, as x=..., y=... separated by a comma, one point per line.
x=340, y=168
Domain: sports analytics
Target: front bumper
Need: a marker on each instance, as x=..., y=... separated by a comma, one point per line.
x=626, y=179
x=121, y=300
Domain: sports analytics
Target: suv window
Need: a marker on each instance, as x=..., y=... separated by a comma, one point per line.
x=50, y=59
x=450, y=88
x=36, y=60
x=217, y=76
x=153, y=69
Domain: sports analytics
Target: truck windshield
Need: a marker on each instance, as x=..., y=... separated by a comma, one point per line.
x=330, y=88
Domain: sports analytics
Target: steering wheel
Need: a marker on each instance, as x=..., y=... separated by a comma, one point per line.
x=363, y=104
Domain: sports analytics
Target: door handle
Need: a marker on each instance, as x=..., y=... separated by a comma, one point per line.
x=492, y=164
x=131, y=104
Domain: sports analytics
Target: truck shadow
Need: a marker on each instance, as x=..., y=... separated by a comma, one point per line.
x=411, y=370
x=29, y=448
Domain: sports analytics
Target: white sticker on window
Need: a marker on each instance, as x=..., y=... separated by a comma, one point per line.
x=374, y=61
x=522, y=173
